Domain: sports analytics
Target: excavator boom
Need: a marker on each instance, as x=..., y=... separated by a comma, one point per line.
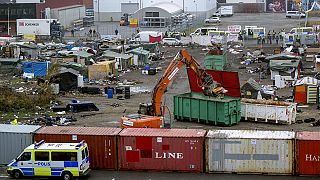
x=182, y=58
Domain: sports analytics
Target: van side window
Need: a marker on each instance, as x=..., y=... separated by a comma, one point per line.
x=41, y=156
x=64, y=156
x=26, y=156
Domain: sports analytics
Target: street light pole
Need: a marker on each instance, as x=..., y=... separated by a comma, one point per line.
x=8, y=19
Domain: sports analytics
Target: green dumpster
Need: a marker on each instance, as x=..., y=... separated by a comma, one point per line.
x=215, y=62
x=196, y=107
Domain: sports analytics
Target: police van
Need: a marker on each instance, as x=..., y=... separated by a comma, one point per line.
x=66, y=160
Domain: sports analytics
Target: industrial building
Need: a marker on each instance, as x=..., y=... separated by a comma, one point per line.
x=17, y=9
x=146, y=10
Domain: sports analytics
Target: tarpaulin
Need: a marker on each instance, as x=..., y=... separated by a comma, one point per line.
x=228, y=80
x=153, y=39
x=39, y=69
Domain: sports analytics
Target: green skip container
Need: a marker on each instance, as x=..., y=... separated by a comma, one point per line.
x=215, y=62
x=196, y=107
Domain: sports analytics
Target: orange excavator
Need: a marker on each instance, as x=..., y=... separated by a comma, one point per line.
x=150, y=115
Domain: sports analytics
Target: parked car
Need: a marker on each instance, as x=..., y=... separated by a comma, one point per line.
x=212, y=20
x=295, y=14
x=171, y=42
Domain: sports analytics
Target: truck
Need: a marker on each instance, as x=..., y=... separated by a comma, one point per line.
x=39, y=27
x=225, y=11
x=34, y=26
x=144, y=36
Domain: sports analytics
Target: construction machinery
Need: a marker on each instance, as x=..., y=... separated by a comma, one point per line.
x=150, y=115
x=124, y=21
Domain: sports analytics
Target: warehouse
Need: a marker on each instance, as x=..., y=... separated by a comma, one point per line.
x=110, y=10
x=68, y=15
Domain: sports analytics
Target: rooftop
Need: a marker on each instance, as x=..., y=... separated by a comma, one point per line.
x=54, y=146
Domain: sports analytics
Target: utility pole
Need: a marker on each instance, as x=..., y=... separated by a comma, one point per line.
x=8, y=19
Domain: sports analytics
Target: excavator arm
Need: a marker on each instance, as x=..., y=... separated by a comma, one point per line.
x=209, y=86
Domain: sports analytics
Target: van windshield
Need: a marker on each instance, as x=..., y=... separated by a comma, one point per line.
x=26, y=156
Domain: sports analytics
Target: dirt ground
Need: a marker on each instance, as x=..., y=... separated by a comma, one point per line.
x=109, y=116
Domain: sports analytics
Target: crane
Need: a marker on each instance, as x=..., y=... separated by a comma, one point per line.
x=151, y=114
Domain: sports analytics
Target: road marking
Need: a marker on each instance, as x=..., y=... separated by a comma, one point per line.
x=3, y=176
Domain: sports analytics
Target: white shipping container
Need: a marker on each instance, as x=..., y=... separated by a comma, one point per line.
x=250, y=151
x=266, y=111
x=13, y=140
x=34, y=26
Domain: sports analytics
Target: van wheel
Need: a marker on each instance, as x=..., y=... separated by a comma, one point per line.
x=16, y=174
x=67, y=176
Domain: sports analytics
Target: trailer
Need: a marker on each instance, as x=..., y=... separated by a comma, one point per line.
x=268, y=111
x=34, y=26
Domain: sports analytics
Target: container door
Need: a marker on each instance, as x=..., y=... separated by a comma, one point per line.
x=42, y=163
x=233, y=113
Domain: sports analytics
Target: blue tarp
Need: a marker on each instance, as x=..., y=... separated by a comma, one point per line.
x=39, y=69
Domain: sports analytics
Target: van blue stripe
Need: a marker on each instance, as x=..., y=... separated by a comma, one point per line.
x=57, y=169
x=28, y=173
x=55, y=173
x=70, y=164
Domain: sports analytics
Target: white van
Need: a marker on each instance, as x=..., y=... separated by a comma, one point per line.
x=203, y=31
x=66, y=160
x=295, y=14
x=143, y=36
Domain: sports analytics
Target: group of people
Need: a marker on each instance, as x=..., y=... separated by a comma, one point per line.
x=271, y=36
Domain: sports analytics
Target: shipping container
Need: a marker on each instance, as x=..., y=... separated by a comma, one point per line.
x=101, y=141
x=268, y=111
x=308, y=153
x=161, y=149
x=34, y=26
x=197, y=107
x=14, y=139
x=250, y=151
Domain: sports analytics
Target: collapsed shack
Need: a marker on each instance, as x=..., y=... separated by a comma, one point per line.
x=251, y=90
x=9, y=65
x=66, y=78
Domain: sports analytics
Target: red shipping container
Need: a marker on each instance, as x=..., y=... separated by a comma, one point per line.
x=102, y=142
x=308, y=153
x=161, y=149
x=228, y=80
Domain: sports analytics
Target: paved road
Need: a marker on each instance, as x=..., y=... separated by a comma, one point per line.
x=125, y=175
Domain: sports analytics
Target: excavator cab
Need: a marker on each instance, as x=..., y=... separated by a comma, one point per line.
x=145, y=109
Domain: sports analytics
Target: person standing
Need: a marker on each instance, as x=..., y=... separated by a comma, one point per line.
x=90, y=32
x=116, y=32
x=72, y=32
x=277, y=39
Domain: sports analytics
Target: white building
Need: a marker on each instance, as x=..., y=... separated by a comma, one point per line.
x=112, y=10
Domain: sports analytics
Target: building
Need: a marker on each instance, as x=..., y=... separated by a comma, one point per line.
x=53, y=4
x=69, y=16
x=111, y=10
x=18, y=9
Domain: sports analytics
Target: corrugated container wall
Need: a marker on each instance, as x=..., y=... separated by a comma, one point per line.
x=161, y=149
x=102, y=142
x=249, y=151
x=14, y=139
x=200, y=108
x=308, y=153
